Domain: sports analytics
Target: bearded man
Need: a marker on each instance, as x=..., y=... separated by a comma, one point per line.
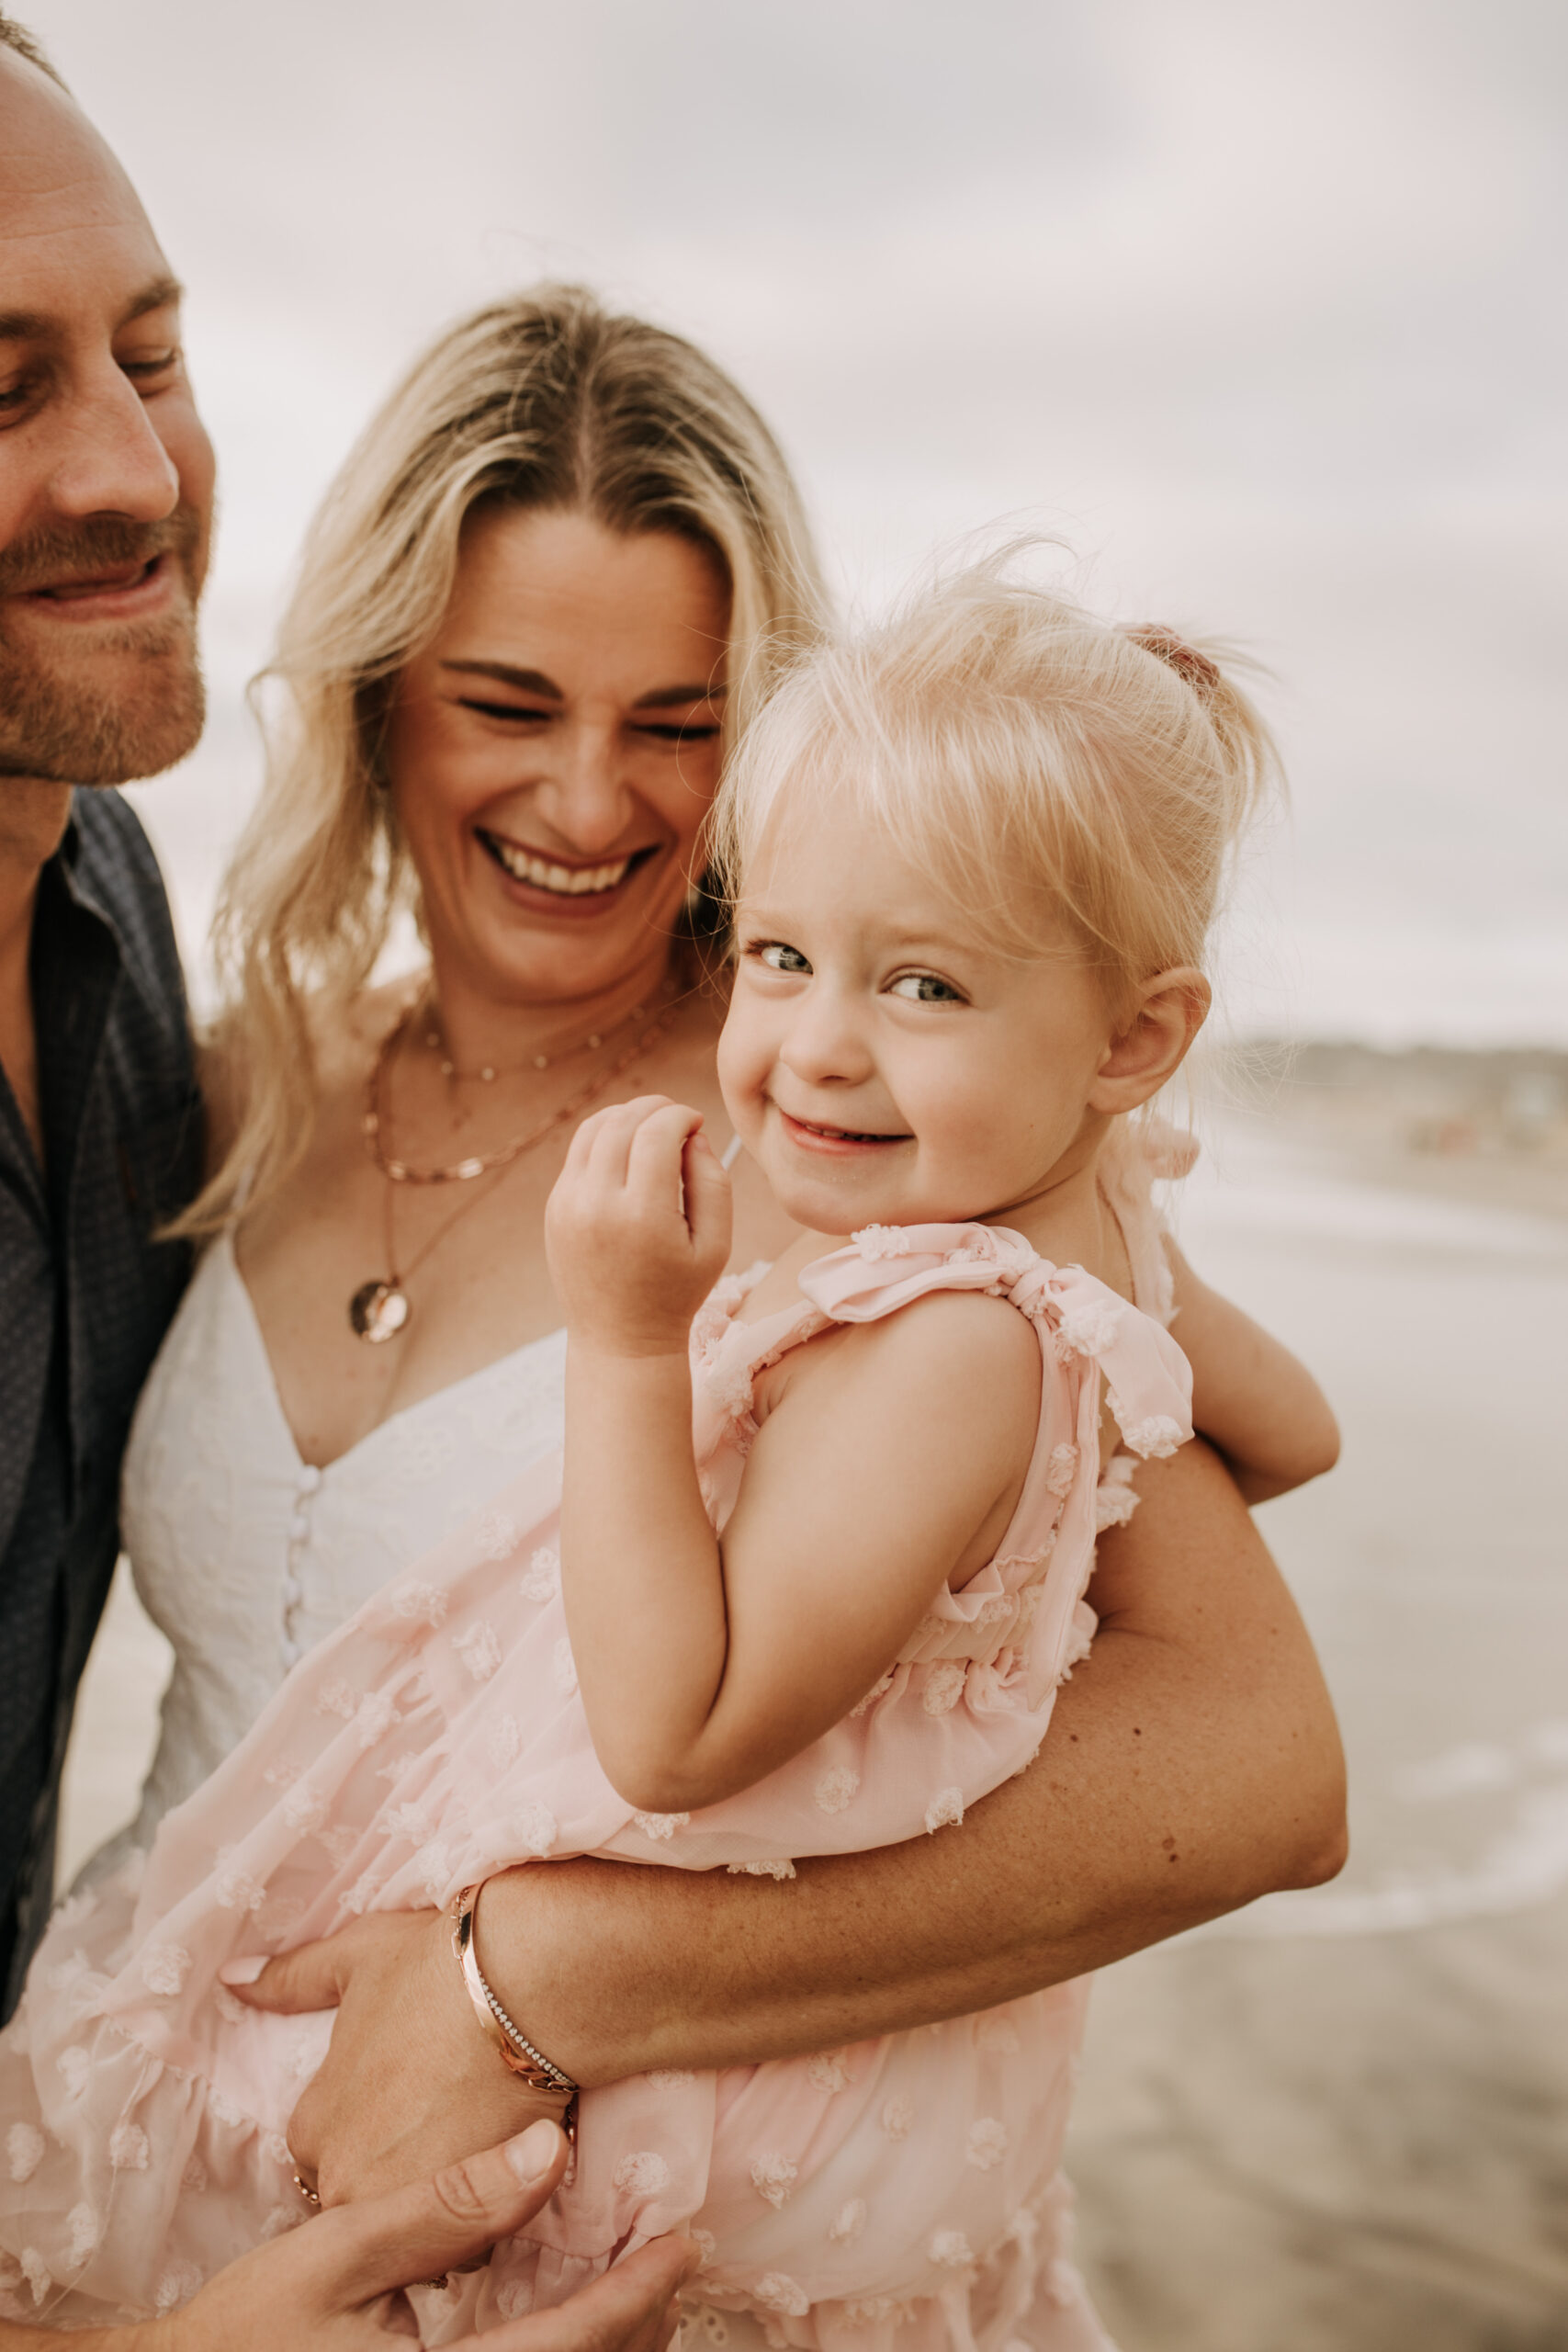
x=106, y=506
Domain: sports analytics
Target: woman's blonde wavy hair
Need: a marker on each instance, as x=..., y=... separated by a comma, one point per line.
x=546, y=401
x=1043, y=761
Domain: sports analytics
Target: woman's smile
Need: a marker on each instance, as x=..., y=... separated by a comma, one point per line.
x=570, y=886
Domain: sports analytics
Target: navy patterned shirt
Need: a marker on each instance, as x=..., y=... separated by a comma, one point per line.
x=86, y=1292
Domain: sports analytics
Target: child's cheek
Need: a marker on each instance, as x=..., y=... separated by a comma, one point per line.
x=744, y=1061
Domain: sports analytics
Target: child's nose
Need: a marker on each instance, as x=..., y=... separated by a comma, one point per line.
x=825, y=1043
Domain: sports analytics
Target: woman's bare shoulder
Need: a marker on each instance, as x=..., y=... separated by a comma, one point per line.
x=346, y=1035
x=342, y=1037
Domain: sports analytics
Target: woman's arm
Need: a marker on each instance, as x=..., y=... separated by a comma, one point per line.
x=1192, y=1764
x=1251, y=1397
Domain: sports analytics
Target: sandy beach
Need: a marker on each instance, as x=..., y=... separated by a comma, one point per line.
x=1335, y=2123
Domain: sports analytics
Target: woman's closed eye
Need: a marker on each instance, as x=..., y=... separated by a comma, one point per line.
x=520, y=714
x=516, y=714
x=925, y=987
x=689, y=730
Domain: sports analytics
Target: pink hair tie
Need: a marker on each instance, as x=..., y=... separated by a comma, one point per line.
x=1193, y=668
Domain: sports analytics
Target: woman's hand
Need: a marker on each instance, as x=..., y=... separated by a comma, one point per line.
x=638, y=1228
x=334, y=2284
x=363, y=2125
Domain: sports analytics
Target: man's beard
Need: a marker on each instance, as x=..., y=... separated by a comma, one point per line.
x=126, y=701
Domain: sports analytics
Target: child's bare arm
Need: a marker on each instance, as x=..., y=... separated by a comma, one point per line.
x=701, y=1669
x=1251, y=1397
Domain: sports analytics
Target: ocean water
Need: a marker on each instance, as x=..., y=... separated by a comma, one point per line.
x=1432, y=1566
x=1334, y=2122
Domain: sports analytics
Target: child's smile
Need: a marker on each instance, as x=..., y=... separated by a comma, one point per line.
x=811, y=1135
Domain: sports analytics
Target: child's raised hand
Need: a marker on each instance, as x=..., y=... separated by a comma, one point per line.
x=637, y=1227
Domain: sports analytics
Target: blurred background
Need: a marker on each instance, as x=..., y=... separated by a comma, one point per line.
x=1260, y=311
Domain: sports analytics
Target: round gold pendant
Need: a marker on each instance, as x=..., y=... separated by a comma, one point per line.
x=378, y=1311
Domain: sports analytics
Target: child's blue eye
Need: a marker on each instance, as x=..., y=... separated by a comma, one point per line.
x=924, y=988
x=781, y=957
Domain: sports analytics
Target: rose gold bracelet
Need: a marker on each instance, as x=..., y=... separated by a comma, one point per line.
x=518, y=2053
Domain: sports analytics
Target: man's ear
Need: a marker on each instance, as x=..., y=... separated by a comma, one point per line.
x=1152, y=1043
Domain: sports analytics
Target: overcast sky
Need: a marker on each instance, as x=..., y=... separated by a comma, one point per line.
x=1259, y=307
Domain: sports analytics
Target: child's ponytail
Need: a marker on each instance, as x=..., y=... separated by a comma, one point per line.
x=1251, y=758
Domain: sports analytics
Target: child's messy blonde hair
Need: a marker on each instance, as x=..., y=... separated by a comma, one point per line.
x=1049, y=763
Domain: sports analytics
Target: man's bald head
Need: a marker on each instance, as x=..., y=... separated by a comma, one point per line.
x=106, y=474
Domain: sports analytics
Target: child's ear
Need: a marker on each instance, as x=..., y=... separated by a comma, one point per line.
x=1152, y=1043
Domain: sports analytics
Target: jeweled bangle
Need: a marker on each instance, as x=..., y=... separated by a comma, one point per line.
x=530, y=2065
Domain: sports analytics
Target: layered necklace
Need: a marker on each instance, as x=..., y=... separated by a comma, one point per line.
x=380, y=1308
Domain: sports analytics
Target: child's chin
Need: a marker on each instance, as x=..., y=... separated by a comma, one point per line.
x=838, y=1215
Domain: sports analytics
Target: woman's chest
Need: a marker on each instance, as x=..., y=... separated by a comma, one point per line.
x=244, y=1550
x=373, y=1297
x=466, y=1259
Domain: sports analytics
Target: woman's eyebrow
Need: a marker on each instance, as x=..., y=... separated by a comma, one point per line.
x=527, y=681
x=533, y=682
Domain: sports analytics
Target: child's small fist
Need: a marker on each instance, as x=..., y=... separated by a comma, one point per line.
x=637, y=1227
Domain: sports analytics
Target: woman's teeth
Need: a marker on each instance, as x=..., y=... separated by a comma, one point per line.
x=565, y=881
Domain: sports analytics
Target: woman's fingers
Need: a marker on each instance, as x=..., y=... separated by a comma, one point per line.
x=630, y=2309
x=335, y=2285
x=395, y=2241
x=306, y=1979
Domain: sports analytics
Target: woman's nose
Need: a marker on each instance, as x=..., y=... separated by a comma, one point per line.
x=582, y=795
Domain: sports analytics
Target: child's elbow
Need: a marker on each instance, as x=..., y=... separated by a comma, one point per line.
x=645, y=1784
x=664, y=1785
x=683, y=1783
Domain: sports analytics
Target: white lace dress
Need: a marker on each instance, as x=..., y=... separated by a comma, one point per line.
x=245, y=1555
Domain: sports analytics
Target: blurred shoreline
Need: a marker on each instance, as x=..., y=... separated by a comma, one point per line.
x=1487, y=1124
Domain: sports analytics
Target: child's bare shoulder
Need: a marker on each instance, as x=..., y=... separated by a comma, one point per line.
x=957, y=1352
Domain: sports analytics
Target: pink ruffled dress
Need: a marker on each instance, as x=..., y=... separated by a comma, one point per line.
x=905, y=2190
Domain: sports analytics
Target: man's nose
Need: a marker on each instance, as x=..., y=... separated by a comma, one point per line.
x=583, y=796
x=110, y=459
